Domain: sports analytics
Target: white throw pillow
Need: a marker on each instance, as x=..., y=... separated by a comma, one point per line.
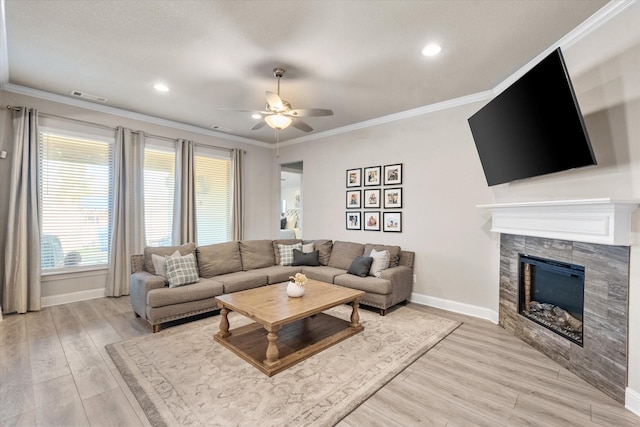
x=160, y=263
x=380, y=262
x=308, y=248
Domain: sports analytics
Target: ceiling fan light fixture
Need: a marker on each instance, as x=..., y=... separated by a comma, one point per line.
x=278, y=121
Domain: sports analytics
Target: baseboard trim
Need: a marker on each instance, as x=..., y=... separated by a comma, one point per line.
x=632, y=401
x=456, y=307
x=71, y=297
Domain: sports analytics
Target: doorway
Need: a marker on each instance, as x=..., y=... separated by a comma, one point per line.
x=291, y=200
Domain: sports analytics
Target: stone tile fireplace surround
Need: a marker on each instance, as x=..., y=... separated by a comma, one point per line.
x=591, y=233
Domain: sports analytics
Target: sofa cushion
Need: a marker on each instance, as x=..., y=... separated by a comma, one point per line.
x=187, y=248
x=277, y=273
x=311, y=259
x=343, y=254
x=360, y=266
x=286, y=253
x=205, y=288
x=380, y=262
x=220, y=258
x=276, y=249
x=394, y=252
x=182, y=270
x=323, y=247
x=257, y=254
x=322, y=273
x=241, y=280
x=368, y=284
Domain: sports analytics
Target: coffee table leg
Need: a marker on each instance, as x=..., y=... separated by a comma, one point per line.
x=272, y=349
x=355, y=317
x=224, y=324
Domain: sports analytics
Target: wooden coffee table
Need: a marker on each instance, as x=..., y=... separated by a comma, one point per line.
x=286, y=330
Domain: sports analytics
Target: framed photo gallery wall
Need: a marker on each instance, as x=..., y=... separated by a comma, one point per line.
x=374, y=198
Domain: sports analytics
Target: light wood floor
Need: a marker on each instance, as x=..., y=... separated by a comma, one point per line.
x=54, y=370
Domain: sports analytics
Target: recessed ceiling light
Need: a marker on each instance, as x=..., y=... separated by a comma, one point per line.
x=431, y=49
x=256, y=116
x=161, y=87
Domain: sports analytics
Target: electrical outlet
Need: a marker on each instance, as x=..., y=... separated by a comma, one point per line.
x=414, y=278
x=3, y=154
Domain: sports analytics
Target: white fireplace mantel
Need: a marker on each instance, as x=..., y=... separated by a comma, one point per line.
x=602, y=221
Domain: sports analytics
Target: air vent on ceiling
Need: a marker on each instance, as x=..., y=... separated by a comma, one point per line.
x=88, y=96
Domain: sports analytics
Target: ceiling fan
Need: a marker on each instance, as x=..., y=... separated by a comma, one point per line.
x=278, y=113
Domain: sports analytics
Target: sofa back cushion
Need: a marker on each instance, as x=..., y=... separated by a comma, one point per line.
x=187, y=248
x=221, y=258
x=343, y=254
x=257, y=254
x=394, y=252
x=323, y=247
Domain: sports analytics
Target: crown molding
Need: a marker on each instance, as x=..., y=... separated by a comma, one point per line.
x=420, y=111
x=48, y=96
x=595, y=21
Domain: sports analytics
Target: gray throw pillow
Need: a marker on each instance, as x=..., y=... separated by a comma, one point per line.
x=360, y=266
x=302, y=258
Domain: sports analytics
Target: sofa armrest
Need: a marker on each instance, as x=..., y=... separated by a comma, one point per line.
x=401, y=278
x=141, y=283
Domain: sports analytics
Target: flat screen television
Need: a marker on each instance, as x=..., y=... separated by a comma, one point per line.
x=532, y=128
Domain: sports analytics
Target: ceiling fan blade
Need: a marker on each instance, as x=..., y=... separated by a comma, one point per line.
x=274, y=100
x=259, y=125
x=310, y=112
x=299, y=124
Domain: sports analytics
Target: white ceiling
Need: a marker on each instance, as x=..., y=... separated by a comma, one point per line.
x=359, y=58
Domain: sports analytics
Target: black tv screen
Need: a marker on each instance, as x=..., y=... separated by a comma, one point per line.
x=532, y=128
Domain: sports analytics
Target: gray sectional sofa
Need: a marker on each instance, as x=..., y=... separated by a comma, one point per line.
x=239, y=265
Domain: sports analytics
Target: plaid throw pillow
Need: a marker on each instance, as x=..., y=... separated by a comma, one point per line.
x=182, y=270
x=286, y=253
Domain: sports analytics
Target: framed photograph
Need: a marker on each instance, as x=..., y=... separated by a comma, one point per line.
x=354, y=177
x=353, y=199
x=372, y=176
x=392, y=198
x=393, y=174
x=353, y=221
x=372, y=198
x=372, y=221
x=392, y=221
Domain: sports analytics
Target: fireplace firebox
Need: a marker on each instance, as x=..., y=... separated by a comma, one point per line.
x=551, y=293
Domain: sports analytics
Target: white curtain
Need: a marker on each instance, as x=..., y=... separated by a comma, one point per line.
x=21, y=284
x=184, y=205
x=237, y=208
x=127, y=225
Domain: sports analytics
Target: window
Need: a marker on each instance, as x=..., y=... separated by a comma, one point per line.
x=159, y=178
x=213, y=195
x=75, y=188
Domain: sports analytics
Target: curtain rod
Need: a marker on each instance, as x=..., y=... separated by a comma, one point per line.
x=11, y=107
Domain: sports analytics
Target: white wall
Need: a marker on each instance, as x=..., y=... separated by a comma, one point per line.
x=259, y=167
x=442, y=183
x=457, y=258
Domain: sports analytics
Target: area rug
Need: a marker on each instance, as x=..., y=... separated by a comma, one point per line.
x=181, y=377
